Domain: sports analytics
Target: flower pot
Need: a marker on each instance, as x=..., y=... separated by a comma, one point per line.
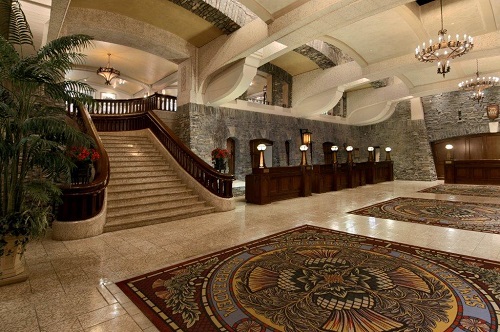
x=220, y=164
x=12, y=267
x=82, y=174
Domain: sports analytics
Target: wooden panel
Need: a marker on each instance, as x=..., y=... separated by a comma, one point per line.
x=471, y=147
x=475, y=149
x=266, y=185
x=491, y=147
x=473, y=172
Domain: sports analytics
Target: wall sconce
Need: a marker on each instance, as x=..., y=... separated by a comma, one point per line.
x=388, y=153
x=449, y=151
x=349, y=153
x=303, y=149
x=305, y=136
x=371, y=157
x=261, y=148
x=335, y=149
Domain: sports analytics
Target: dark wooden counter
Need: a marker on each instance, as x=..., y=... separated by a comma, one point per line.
x=482, y=171
x=266, y=185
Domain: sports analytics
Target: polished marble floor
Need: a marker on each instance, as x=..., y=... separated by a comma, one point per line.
x=71, y=284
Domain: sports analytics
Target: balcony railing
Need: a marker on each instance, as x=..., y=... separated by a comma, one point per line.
x=132, y=106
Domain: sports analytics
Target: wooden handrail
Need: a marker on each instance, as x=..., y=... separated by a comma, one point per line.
x=133, y=106
x=84, y=201
x=218, y=183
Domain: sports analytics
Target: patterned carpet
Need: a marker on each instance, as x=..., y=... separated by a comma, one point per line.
x=315, y=279
x=464, y=189
x=480, y=217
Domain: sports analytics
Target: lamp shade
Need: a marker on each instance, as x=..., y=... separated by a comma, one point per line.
x=335, y=148
x=349, y=148
x=303, y=147
x=448, y=147
x=261, y=147
x=370, y=148
x=388, y=149
x=108, y=72
x=306, y=136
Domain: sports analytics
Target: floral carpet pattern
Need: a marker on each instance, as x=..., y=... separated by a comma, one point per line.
x=480, y=217
x=314, y=279
x=464, y=189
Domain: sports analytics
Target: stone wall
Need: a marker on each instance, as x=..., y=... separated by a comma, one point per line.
x=204, y=128
x=455, y=114
x=227, y=15
x=319, y=52
x=411, y=151
x=279, y=77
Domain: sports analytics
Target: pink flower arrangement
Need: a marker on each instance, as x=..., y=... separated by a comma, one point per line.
x=83, y=154
x=220, y=153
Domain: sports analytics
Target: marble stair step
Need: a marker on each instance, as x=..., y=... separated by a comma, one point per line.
x=118, y=223
x=128, y=194
x=125, y=144
x=120, y=138
x=153, y=199
x=142, y=180
x=131, y=154
x=131, y=174
x=126, y=168
x=137, y=161
x=153, y=209
x=145, y=185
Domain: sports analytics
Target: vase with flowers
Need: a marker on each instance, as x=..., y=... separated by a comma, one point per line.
x=219, y=157
x=83, y=158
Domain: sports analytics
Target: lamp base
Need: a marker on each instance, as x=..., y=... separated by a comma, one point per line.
x=493, y=127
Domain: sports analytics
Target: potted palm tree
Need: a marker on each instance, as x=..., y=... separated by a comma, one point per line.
x=34, y=132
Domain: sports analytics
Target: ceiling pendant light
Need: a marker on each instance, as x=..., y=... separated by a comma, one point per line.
x=478, y=85
x=108, y=72
x=445, y=49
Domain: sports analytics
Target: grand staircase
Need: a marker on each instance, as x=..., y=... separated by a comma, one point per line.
x=143, y=189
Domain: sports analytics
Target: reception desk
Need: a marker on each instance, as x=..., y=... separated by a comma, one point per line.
x=266, y=185
x=482, y=171
x=330, y=177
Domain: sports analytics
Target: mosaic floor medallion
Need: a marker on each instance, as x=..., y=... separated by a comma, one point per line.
x=480, y=217
x=464, y=189
x=315, y=279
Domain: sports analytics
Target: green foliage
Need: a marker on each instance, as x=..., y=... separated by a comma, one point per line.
x=34, y=131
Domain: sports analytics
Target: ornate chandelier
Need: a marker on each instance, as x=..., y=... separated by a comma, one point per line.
x=478, y=85
x=108, y=72
x=444, y=50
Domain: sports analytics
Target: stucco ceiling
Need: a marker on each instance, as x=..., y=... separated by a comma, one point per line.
x=383, y=42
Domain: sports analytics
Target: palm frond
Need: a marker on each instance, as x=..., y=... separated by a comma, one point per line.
x=60, y=47
x=19, y=29
x=70, y=91
x=54, y=129
x=8, y=55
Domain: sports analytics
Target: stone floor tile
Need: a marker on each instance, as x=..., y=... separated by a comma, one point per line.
x=123, y=323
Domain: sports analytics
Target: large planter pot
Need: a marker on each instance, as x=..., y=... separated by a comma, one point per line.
x=12, y=266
